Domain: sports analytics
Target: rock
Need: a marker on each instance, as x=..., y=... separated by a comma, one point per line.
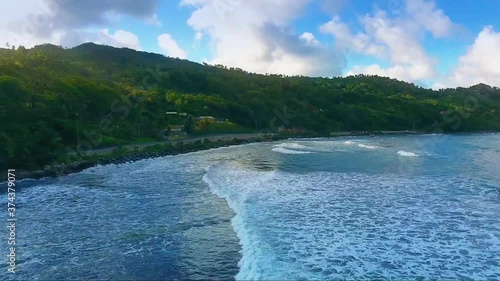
x=37, y=174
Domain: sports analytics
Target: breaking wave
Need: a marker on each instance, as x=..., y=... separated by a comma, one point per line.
x=407, y=154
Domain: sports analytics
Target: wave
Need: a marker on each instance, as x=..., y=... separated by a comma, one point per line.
x=407, y=154
x=362, y=145
x=226, y=182
x=320, y=146
x=289, y=151
x=292, y=145
x=368, y=146
x=290, y=228
x=292, y=148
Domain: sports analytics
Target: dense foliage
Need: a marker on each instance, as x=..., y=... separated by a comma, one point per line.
x=52, y=98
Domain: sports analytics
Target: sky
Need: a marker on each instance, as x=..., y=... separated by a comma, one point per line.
x=432, y=43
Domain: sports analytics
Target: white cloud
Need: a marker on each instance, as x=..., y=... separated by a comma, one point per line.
x=309, y=39
x=428, y=16
x=257, y=36
x=480, y=64
x=347, y=41
x=413, y=72
x=198, y=36
x=395, y=40
x=120, y=38
x=170, y=46
x=31, y=22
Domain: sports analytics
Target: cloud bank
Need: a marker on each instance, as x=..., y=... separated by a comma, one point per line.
x=394, y=37
x=257, y=36
x=480, y=64
x=170, y=46
x=71, y=22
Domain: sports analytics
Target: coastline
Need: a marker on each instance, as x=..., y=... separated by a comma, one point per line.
x=120, y=155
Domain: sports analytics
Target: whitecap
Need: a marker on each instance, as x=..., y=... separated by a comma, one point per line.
x=407, y=154
x=284, y=221
x=292, y=145
x=368, y=146
x=316, y=146
x=289, y=151
x=225, y=180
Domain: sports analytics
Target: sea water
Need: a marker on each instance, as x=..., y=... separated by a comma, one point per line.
x=396, y=207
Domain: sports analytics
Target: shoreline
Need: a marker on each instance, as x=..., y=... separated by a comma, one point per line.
x=152, y=151
x=171, y=148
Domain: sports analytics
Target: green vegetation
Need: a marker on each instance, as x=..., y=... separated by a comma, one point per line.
x=55, y=101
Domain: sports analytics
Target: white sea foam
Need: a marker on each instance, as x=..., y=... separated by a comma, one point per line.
x=291, y=225
x=362, y=145
x=322, y=146
x=290, y=228
x=292, y=148
x=407, y=154
x=226, y=182
x=289, y=151
x=368, y=146
x=292, y=145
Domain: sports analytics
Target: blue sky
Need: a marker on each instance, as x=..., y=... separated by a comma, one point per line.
x=434, y=43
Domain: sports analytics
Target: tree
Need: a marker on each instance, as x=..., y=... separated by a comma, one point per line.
x=189, y=125
x=123, y=94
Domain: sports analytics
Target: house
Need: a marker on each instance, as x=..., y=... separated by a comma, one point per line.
x=171, y=113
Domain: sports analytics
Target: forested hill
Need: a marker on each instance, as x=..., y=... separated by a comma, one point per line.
x=52, y=97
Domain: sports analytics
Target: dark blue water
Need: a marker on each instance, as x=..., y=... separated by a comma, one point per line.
x=408, y=207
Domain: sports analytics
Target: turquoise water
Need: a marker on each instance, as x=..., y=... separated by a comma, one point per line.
x=407, y=207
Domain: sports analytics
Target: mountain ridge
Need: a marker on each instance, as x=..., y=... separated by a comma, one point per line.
x=53, y=98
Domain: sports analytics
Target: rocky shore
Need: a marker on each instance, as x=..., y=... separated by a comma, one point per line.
x=118, y=157
x=175, y=148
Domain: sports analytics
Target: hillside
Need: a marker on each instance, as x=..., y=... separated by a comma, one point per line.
x=53, y=98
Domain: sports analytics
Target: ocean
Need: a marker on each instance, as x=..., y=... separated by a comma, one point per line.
x=423, y=207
